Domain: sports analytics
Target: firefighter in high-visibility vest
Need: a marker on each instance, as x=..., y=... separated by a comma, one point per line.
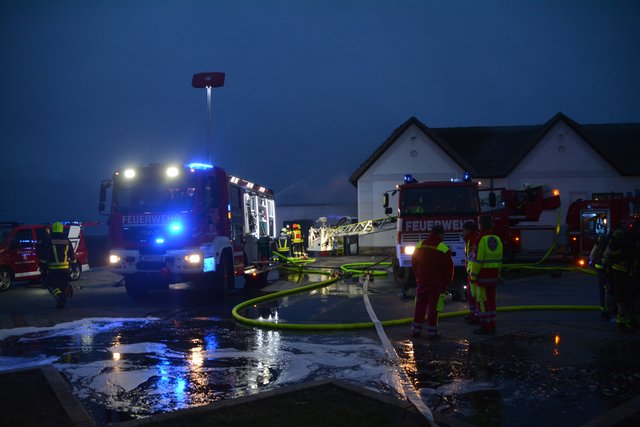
x=297, y=241
x=484, y=271
x=56, y=256
x=283, y=244
x=470, y=236
x=432, y=265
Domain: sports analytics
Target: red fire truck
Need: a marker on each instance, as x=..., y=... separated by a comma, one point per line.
x=587, y=220
x=193, y=222
x=421, y=205
x=18, y=258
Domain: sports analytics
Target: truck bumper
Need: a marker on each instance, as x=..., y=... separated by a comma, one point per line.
x=175, y=263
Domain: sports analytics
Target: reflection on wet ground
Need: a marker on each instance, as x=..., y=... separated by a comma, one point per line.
x=521, y=379
x=128, y=368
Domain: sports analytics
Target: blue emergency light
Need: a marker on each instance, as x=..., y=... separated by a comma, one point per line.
x=200, y=166
x=175, y=227
x=409, y=179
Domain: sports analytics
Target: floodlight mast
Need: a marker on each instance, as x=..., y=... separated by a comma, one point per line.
x=208, y=81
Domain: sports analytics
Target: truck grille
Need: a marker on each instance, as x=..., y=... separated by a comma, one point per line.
x=145, y=234
x=414, y=238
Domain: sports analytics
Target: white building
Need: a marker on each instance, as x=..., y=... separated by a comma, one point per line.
x=579, y=160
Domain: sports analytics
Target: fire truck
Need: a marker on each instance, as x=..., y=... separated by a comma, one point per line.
x=421, y=205
x=171, y=223
x=18, y=258
x=587, y=220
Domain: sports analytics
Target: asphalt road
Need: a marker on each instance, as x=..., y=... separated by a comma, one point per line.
x=555, y=367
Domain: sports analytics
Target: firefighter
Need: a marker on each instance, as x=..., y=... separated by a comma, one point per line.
x=620, y=254
x=297, y=242
x=470, y=236
x=432, y=265
x=484, y=271
x=56, y=255
x=603, y=270
x=283, y=244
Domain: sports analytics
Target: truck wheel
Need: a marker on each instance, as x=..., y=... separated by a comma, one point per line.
x=224, y=275
x=137, y=288
x=403, y=275
x=75, y=272
x=5, y=279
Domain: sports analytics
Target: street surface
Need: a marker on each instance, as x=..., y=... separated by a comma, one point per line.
x=182, y=348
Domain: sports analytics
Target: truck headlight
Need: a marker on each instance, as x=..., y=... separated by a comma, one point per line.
x=409, y=250
x=193, y=258
x=114, y=259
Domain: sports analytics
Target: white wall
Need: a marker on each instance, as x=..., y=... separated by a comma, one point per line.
x=413, y=153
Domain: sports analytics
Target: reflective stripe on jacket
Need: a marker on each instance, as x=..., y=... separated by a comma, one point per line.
x=283, y=243
x=58, y=253
x=484, y=268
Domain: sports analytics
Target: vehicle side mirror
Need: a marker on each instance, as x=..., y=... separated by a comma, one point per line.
x=385, y=201
x=103, y=195
x=388, y=211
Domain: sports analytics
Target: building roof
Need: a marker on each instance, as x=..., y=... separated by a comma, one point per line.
x=493, y=152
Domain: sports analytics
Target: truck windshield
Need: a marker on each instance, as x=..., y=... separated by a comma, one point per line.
x=439, y=201
x=154, y=195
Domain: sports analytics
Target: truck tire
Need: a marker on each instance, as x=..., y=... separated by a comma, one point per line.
x=6, y=278
x=75, y=272
x=137, y=288
x=403, y=275
x=224, y=279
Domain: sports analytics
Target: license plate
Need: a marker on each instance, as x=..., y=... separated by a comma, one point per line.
x=152, y=258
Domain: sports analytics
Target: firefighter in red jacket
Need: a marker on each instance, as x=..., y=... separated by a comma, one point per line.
x=55, y=257
x=484, y=271
x=433, y=268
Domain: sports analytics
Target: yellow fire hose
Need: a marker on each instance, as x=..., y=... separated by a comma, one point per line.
x=356, y=269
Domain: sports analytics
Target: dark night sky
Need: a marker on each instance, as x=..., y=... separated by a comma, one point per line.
x=312, y=87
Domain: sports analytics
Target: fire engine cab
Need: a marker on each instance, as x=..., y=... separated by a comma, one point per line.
x=172, y=223
x=421, y=205
x=587, y=220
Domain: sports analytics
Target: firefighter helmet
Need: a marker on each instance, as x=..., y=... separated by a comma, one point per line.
x=57, y=227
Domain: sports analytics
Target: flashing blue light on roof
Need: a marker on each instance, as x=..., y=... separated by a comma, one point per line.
x=466, y=177
x=200, y=166
x=409, y=179
x=159, y=240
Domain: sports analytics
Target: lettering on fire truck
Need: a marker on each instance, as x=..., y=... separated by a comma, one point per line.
x=149, y=219
x=426, y=225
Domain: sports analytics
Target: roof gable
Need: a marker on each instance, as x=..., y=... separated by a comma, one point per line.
x=493, y=152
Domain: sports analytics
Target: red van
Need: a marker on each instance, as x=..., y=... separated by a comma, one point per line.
x=18, y=259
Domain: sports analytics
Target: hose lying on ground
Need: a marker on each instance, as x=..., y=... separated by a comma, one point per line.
x=357, y=269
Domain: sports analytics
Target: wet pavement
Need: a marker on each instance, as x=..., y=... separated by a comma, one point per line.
x=542, y=367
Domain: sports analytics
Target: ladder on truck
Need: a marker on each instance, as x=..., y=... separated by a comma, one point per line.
x=326, y=238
